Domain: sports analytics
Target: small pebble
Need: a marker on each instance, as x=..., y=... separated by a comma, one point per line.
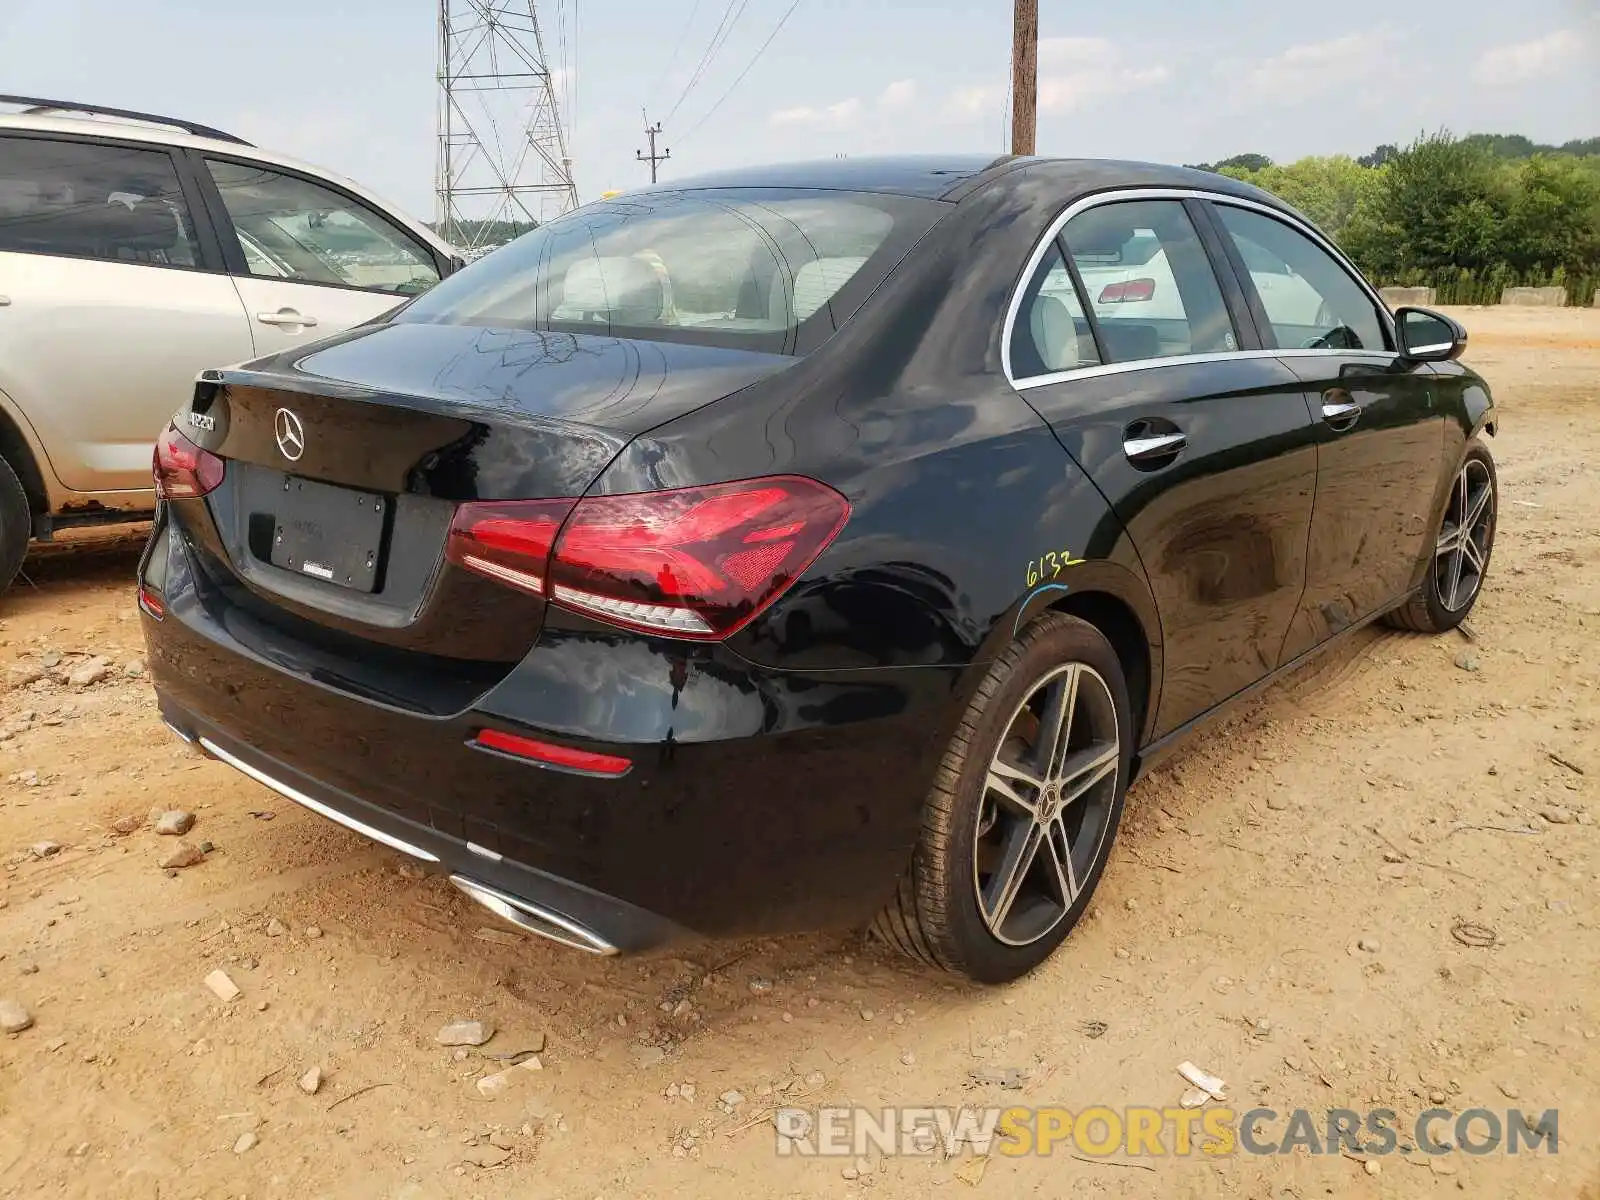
x=247, y=1142
x=1370, y=944
x=13, y=1017
x=1373, y=1167
x=175, y=822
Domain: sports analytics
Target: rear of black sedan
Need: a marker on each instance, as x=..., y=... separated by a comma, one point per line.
x=409, y=579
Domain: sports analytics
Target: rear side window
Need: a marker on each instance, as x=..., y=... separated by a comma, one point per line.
x=755, y=268
x=1310, y=300
x=1147, y=277
x=82, y=200
x=1050, y=333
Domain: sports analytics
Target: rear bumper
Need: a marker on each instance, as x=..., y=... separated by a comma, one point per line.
x=758, y=801
x=545, y=904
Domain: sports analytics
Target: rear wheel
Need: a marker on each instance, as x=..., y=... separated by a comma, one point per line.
x=16, y=524
x=1019, y=823
x=1462, y=547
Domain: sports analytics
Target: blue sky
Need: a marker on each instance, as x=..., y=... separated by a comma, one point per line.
x=350, y=84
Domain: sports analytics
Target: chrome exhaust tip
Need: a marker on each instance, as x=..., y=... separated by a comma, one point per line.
x=532, y=918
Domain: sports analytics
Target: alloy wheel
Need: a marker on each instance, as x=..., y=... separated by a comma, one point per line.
x=1046, y=804
x=1462, y=551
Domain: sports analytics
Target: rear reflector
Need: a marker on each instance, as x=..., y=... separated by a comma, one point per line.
x=1128, y=291
x=694, y=562
x=183, y=470
x=151, y=603
x=546, y=754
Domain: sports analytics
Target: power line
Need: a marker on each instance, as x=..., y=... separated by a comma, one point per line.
x=672, y=61
x=749, y=66
x=730, y=18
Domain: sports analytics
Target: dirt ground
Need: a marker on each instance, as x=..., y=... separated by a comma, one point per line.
x=1279, y=909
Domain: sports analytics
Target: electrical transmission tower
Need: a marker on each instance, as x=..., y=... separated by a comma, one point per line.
x=502, y=154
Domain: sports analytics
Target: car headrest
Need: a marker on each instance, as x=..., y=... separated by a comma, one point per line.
x=621, y=289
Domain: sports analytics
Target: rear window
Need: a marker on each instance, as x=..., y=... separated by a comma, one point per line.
x=755, y=268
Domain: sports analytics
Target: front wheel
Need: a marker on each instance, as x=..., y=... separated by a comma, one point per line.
x=1462, y=547
x=1018, y=826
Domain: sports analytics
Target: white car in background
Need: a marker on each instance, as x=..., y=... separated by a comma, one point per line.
x=138, y=250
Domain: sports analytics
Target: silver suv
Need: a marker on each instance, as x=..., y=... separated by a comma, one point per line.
x=138, y=250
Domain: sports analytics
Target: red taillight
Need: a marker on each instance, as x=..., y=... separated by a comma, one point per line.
x=693, y=562
x=183, y=470
x=1128, y=291
x=547, y=754
x=151, y=603
x=508, y=541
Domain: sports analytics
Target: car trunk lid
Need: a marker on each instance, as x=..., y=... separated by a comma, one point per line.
x=345, y=465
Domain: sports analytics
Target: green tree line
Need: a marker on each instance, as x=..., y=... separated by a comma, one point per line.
x=1467, y=216
x=471, y=232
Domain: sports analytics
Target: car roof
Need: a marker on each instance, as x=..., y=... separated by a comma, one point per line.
x=127, y=130
x=932, y=176
x=953, y=177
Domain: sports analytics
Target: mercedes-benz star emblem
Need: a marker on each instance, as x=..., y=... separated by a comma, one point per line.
x=291, y=434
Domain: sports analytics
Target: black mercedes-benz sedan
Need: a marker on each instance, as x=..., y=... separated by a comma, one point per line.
x=810, y=545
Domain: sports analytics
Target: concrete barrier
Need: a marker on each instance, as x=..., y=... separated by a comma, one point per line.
x=1394, y=297
x=1539, y=297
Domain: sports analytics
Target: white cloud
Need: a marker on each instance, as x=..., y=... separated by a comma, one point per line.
x=1069, y=51
x=976, y=101
x=1063, y=93
x=1312, y=66
x=898, y=94
x=842, y=113
x=1075, y=70
x=1528, y=60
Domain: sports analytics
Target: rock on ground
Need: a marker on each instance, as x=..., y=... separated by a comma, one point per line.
x=13, y=1017
x=184, y=854
x=464, y=1033
x=175, y=822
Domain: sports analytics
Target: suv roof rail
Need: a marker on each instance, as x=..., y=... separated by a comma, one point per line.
x=34, y=105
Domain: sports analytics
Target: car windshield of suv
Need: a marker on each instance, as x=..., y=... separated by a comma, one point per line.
x=751, y=268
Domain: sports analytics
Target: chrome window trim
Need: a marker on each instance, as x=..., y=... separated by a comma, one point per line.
x=1053, y=231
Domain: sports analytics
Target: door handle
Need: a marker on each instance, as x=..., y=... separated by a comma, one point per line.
x=1341, y=414
x=5, y=301
x=1153, y=448
x=286, y=316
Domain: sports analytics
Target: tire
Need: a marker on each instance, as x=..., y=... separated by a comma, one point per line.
x=1428, y=610
x=939, y=914
x=16, y=524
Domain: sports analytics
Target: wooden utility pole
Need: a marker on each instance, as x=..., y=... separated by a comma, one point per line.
x=651, y=132
x=1025, y=76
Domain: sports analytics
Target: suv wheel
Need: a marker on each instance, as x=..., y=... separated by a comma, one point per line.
x=16, y=524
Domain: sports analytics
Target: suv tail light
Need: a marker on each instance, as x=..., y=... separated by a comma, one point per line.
x=183, y=470
x=695, y=562
x=1128, y=291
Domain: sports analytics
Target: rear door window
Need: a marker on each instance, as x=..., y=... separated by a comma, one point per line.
x=91, y=200
x=1311, y=301
x=1149, y=281
x=754, y=268
x=1050, y=333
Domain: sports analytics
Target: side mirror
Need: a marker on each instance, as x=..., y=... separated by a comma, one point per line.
x=456, y=263
x=1427, y=336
